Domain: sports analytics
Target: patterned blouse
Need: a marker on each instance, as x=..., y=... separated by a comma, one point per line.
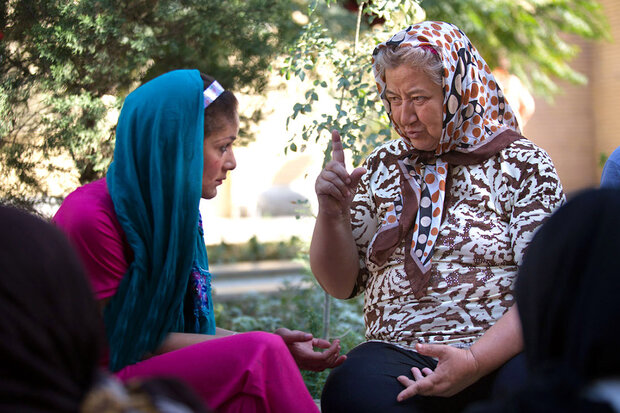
x=491, y=212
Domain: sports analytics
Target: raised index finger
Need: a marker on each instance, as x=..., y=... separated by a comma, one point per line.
x=337, y=152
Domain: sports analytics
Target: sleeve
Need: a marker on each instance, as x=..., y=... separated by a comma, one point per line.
x=99, y=240
x=363, y=224
x=538, y=193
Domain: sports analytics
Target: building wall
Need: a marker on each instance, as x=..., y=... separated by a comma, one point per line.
x=605, y=81
x=579, y=124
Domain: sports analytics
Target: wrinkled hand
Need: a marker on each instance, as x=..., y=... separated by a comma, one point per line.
x=456, y=370
x=301, y=345
x=335, y=186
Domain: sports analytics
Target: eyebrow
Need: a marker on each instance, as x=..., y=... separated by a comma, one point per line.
x=226, y=140
x=232, y=138
x=413, y=91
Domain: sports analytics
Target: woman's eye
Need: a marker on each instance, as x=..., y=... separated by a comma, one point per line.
x=419, y=99
x=223, y=149
x=393, y=99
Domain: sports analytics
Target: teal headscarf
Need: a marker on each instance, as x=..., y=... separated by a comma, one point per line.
x=155, y=182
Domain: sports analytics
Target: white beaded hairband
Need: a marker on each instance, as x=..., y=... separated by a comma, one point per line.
x=212, y=92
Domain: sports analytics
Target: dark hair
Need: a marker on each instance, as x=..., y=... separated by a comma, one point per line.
x=224, y=106
x=45, y=366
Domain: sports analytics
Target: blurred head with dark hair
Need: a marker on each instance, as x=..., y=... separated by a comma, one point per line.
x=50, y=329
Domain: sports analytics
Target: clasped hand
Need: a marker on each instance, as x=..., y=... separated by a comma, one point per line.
x=456, y=370
x=301, y=345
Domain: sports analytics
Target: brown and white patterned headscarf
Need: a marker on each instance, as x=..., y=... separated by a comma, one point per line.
x=477, y=124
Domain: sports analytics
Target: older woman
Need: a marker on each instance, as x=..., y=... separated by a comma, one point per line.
x=432, y=230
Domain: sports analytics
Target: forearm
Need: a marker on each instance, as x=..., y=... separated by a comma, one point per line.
x=500, y=343
x=175, y=341
x=333, y=255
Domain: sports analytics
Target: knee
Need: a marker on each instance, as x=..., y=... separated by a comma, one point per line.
x=361, y=385
x=261, y=340
x=262, y=352
x=341, y=392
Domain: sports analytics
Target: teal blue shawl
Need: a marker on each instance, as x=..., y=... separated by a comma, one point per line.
x=155, y=182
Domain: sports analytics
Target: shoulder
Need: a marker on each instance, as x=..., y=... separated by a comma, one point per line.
x=87, y=209
x=613, y=162
x=387, y=152
x=524, y=151
x=615, y=156
x=530, y=174
x=523, y=159
x=88, y=219
x=610, y=177
x=95, y=192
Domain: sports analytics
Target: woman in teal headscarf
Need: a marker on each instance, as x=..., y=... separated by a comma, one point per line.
x=139, y=233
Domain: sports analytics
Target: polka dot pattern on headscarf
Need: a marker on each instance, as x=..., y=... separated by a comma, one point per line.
x=475, y=112
x=475, y=109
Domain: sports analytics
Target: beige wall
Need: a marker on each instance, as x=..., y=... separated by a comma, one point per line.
x=582, y=121
x=605, y=81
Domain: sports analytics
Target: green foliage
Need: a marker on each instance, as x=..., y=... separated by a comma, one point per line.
x=297, y=308
x=60, y=58
x=253, y=250
x=357, y=107
x=528, y=36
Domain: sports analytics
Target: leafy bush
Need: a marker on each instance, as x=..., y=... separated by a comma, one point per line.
x=253, y=250
x=297, y=307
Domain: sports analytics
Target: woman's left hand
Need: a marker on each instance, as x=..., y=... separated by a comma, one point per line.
x=456, y=370
x=301, y=345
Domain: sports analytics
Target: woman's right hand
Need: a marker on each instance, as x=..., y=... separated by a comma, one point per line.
x=334, y=186
x=333, y=252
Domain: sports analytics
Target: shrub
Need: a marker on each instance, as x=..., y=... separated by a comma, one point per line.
x=253, y=250
x=297, y=307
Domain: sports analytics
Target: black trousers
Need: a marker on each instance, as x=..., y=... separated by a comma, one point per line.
x=366, y=382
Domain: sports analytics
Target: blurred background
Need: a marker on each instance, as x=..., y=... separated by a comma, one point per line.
x=299, y=68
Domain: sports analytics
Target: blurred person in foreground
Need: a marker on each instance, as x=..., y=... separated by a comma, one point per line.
x=432, y=229
x=51, y=332
x=567, y=295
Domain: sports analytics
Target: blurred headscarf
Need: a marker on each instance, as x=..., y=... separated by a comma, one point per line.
x=155, y=182
x=567, y=297
x=50, y=327
x=477, y=123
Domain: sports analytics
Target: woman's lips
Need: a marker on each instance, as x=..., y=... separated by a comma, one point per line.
x=414, y=134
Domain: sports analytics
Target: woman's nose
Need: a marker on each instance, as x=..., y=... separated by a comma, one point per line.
x=408, y=113
x=230, y=163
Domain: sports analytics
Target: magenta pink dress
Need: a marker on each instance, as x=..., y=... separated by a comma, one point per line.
x=250, y=372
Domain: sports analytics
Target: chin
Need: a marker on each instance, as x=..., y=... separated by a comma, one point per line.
x=420, y=146
x=209, y=193
x=425, y=144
